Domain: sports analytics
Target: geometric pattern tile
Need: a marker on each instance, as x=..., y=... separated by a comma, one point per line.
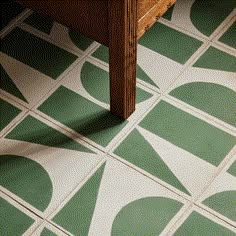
x=70, y=167
x=13, y=221
x=196, y=224
x=188, y=132
x=7, y=113
x=51, y=60
x=34, y=131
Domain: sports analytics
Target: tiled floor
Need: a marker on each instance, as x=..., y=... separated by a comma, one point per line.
x=68, y=167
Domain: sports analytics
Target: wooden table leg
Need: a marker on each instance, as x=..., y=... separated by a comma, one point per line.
x=122, y=56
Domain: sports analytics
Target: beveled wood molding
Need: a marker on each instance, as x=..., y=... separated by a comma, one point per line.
x=152, y=15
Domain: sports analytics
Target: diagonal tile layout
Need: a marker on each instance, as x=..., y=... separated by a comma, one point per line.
x=69, y=167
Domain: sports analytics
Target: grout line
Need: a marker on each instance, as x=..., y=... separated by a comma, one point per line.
x=79, y=185
x=215, y=214
x=15, y=22
x=179, y=221
x=224, y=26
x=204, y=116
x=183, y=30
x=21, y=204
x=14, y=100
x=29, y=29
x=67, y=131
x=47, y=224
x=146, y=174
x=205, y=213
x=220, y=169
x=200, y=51
x=6, y=97
x=58, y=81
x=138, y=120
x=222, y=47
x=48, y=38
x=58, y=227
x=13, y=123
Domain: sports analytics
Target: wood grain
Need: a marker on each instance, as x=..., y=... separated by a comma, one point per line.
x=151, y=15
x=89, y=17
x=122, y=56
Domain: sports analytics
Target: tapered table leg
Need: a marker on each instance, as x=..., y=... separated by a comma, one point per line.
x=122, y=56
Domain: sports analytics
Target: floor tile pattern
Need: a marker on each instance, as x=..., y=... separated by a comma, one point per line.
x=69, y=167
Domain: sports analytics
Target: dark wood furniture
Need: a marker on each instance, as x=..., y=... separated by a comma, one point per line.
x=117, y=24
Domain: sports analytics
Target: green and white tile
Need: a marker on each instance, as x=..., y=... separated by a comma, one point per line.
x=201, y=17
x=189, y=132
x=20, y=45
x=178, y=146
x=163, y=46
x=199, y=222
x=58, y=33
x=40, y=22
x=161, y=55
x=10, y=10
x=23, y=83
x=209, y=85
x=91, y=80
x=228, y=38
x=118, y=192
x=69, y=167
x=16, y=219
x=10, y=114
x=88, y=105
x=232, y=168
x=47, y=229
x=101, y=55
x=53, y=157
x=220, y=196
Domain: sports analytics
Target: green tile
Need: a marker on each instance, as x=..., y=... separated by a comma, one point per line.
x=138, y=151
x=146, y=216
x=9, y=11
x=141, y=74
x=229, y=37
x=47, y=232
x=188, y=132
x=102, y=53
x=27, y=179
x=97, y=84
x=207, y=15
x=13, y=221
x=40, y=22
x=7, y=113
x=216, y=60
x=37, y=53
x=34, y=131
x=214, y=99
x=197, y=224
x=168, y=14
x=8, y=85
x=232, y=169
x=82, y=115
x=80, y=40
x=170, y=42
x=224, y=203
x=77, y=214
